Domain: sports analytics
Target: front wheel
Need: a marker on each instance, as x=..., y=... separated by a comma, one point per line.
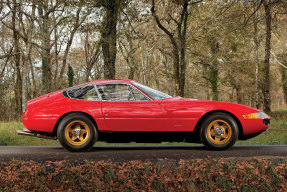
x=77, y=132
x=219, y=131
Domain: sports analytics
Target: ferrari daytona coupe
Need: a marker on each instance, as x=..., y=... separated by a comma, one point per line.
x=126, y=111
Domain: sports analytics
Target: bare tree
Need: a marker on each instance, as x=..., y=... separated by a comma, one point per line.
x=268, y=18
x=78, y=21
x=16, y=39
x=177, y=41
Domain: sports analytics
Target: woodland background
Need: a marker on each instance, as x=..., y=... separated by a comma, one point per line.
x=228, y=50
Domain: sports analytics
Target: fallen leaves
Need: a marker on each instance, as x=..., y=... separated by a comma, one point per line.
x=256, y=174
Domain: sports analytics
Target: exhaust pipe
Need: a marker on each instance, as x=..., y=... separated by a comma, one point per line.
x=27, y=132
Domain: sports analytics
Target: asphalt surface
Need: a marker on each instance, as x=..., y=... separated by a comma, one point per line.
x=120, y=153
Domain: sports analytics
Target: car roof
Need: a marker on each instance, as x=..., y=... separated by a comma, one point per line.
x=99, y=82
x=109, y=81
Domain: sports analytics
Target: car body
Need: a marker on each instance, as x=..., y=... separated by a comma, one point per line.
x=123, y=111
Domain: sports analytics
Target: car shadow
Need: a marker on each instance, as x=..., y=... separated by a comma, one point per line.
x=146, y=147
x=178, y=147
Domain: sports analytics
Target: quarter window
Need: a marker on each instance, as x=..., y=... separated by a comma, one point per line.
x=138, y=96
x=156, y=95
x=84, y=93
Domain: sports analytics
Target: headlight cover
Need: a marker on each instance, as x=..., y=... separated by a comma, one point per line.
x=257, y=115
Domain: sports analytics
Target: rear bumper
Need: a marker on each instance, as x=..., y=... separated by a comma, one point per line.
x=27, y=132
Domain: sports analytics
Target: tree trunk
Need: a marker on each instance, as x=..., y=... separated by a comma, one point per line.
x=24, y=84
x=56, y=52
x=182, y=37
x=18, y=85
x=284, y=82
x=132, y=69
x=33, y=76
x=256, y=49
x=266, y=94
x=26, y=58
x=178, y=47
x=213, y=71
x=46, y=57
x=46, y=62
x=238, y=95
x=213, y=79
x=91, y=56
x=109, y=38
x=132, y=64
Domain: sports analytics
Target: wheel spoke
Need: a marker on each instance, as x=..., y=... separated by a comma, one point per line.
x=217, y=138
x=81, y=138
x=225, y=127
x=74, y=137
x=84, y=131
x=212, y=132
x=215, y=125
x=224, y=135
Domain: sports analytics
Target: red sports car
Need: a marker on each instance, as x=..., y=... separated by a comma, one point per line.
x=127, y=111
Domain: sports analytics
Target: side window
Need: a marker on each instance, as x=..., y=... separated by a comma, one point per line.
x=84, y=93
x=139, y=96
x=115, y=92
x=120, y=92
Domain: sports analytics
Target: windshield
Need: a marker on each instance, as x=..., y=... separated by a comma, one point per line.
x=156, y=95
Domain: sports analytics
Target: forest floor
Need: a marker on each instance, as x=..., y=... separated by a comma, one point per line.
x=231, y=174
x=276, y=134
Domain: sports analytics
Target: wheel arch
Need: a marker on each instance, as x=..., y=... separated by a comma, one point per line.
x=201, y=120
x=66, y=114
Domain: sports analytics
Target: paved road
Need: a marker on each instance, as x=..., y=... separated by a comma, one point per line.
x=133, y=152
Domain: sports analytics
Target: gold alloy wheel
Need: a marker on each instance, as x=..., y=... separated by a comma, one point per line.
x=77, y=132
x=219, y=132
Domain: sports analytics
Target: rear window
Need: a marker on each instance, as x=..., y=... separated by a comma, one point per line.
x=83, y=93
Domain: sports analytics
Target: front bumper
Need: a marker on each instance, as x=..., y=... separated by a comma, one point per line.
x=245, y=137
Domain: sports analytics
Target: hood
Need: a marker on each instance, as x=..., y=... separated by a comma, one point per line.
x=215, y=105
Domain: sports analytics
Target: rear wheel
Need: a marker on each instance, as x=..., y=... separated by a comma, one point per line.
x=77, y=132
x=219, y=131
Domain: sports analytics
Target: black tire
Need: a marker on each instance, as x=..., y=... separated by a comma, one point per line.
x=219, y=131
x=73, y=126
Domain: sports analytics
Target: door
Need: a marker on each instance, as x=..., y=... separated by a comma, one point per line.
x=180, y=115
x=125, y=108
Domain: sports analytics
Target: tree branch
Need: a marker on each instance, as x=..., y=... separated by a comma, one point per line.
x=170, y=35
x=259, y=5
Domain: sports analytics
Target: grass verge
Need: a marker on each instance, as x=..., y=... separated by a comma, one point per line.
x=10, y=137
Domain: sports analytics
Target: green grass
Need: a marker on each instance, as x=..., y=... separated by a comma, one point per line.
x=275, y=135
x=9, y=136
